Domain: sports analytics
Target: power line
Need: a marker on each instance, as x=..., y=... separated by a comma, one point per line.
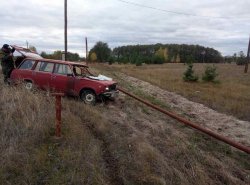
x=173, y=12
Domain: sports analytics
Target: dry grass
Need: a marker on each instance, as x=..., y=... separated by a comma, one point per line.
x=29, y=152
x=152, y=149
x=106, y=144
x=231, y=95
x=23, y=124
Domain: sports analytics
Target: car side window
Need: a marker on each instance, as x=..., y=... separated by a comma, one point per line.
x=28, y=64
x=45, y=66
x=62, y=69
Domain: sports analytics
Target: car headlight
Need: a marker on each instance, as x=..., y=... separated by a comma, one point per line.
x=107, y=88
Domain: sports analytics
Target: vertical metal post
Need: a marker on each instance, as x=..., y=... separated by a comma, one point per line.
x=248, y=53
x=86, y=42
x=27, y=44
x=65, y=30
x=58, y=115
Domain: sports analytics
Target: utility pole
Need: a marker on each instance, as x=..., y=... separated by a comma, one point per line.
x=65, y=30
x=86, y=42
x=27, y=44
x=248, y=53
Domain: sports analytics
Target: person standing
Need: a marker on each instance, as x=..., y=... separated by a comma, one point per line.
x=7, y=62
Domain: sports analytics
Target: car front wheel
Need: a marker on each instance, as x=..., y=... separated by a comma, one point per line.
x=88, y=97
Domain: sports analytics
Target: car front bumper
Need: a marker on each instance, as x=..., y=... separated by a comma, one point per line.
x=111, y=94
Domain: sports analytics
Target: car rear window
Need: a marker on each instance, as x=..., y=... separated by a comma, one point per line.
x=45, y=66
x=62, y=69
x=28, y=64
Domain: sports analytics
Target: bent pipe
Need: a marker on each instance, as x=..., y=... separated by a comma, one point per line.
x=190, y=124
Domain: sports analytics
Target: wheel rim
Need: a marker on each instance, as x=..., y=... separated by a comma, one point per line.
x=89, y=98
x=28, y=85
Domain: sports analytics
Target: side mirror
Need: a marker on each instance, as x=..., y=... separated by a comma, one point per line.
x=71, y=75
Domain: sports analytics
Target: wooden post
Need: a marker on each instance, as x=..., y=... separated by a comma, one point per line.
x=65, y=30
x=248, y=53
x=86, y=42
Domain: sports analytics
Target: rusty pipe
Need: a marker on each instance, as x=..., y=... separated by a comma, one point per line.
x=191, y=124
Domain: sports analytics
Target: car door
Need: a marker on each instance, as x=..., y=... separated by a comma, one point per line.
x=43, y=74
x=63, y=79
x=24, y=72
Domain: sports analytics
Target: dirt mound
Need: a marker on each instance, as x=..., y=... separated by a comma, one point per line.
x=226, y=125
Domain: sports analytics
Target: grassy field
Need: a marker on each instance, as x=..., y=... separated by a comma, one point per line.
x=231, y=95
x=120, y=143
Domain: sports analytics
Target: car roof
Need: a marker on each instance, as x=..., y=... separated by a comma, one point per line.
x=58, y=61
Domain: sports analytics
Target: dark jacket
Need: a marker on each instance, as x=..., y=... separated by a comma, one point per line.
x=6, y=59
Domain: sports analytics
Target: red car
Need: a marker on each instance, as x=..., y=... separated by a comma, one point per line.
x=71, y=78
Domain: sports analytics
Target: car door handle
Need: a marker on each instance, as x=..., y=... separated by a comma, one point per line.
x=53, y=76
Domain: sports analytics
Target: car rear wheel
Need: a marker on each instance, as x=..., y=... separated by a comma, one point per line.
x=88, y=97
x=28, y=85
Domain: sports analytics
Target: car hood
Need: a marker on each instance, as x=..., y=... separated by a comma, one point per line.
x=101, y=79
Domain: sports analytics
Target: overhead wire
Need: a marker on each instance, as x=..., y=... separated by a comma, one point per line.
x=174, y=12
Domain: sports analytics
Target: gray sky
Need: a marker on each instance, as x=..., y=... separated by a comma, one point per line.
x=41, y=22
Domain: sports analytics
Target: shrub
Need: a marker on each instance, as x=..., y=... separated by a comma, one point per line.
x=138, y=63
x=111, y=60
x=209, y=74
x=189, y=74
x=157, y=60
x=241, y=61
x=93, y=57
x=190, y=59
x=123, y=60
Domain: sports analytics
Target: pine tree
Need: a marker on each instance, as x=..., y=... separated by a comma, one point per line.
x=189, y=74
x=209, y=74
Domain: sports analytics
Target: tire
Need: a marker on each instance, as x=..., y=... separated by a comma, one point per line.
x=88, y=97
x=28, y=85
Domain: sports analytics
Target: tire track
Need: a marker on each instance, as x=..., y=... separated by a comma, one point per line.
x=111, y=162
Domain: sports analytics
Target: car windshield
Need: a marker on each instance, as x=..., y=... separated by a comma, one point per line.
x=81, y=71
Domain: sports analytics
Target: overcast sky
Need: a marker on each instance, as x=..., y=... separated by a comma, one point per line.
x=41, y=23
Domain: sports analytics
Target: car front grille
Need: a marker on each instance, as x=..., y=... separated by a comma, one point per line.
x=112, y=87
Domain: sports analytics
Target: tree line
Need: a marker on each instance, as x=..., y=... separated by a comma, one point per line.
x=57, y=55
x=239, y=58
x=155, y=54
x=151, y=54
